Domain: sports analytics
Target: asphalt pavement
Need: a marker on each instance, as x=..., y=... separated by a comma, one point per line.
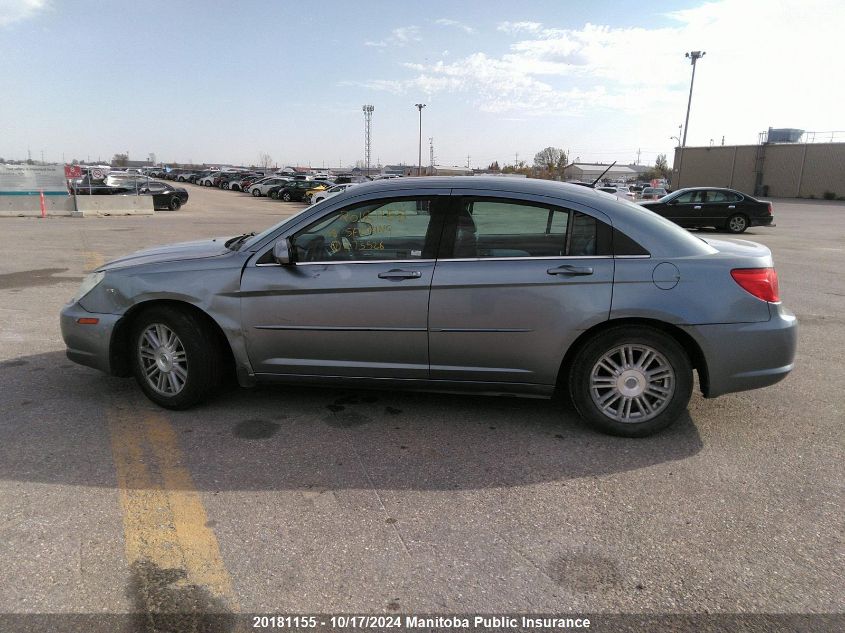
x=295, y=500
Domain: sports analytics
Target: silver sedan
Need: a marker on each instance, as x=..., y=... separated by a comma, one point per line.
x=470, y=284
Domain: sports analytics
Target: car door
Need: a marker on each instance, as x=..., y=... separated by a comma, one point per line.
x=355, y=300
x=516, y=282
x=685, y=209
x=719, y=207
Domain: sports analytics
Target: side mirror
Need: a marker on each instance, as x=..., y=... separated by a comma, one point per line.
x=282, y=252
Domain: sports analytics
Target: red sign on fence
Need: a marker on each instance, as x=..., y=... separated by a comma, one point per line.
x=73, y=171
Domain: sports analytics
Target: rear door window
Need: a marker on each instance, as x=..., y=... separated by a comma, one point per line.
x=490, y=229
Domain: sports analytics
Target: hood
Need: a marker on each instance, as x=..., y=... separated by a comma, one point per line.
x=171, y=252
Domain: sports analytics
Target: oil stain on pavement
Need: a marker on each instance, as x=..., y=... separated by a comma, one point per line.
x=32, y=278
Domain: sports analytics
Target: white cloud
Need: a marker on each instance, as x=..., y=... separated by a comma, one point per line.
x=401, y=36
x=767, y=64
x=12, y=11
x=460, y=25
x=517, y=27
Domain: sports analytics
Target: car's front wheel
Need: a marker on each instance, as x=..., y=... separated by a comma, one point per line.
x=175, y=360
x=175, y=204
x=256, y=192
x=286, y=196
x=737, y=223
x=631, y=381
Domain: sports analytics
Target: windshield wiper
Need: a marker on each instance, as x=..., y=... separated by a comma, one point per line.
x=235, y=242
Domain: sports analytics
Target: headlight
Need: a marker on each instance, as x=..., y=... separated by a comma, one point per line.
x=88, y=284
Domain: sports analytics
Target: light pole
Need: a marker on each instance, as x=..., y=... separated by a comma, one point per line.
x=419, y=107
x=693, y=56
x=677, y=139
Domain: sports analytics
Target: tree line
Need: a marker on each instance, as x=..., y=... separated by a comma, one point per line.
x=549, y=164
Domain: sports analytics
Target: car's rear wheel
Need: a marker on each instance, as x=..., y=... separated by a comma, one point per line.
x=274, y=195
x=176, y=361
x=631, y=381
x=175, y=204
x=737, y=223
x=286, y=196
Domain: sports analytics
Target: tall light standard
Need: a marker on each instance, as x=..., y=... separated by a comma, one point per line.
x=419, y=107
x=693, y=56
x=368, y=117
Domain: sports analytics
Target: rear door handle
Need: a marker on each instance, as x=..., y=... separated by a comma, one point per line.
x=398, y=274
x=568, y=269
x=731, y=206
x=698, y=206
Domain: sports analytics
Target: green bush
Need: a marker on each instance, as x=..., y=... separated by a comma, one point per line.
x=829, y=195
x=812, y=196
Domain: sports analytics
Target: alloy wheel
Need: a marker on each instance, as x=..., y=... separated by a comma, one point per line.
x=632, y=383
x=163, y=359
x=737, y=224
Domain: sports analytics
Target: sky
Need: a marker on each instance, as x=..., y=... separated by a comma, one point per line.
x=223, y=82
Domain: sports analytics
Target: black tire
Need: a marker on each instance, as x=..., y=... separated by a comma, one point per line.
x=175, y=204
x=737, y=223
x=585, y=366
x=203, y=356
x=256, y=192
x=286, y=196
x=274, y=195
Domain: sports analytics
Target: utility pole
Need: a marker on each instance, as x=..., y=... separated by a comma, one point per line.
x=420, y=106
x=516, y=160
x=638, y=156
x=693, y=56
x=431, y=153
x=368, y=117
x=468, y=157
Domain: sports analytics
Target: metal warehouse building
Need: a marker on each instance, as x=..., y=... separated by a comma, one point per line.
x=776, y=169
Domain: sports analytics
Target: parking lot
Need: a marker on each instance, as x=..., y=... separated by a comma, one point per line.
x=293, y=500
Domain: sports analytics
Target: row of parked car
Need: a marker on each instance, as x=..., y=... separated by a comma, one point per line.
x=288, y=188
x=635, y=192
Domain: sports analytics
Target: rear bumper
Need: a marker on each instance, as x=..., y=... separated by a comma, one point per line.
x=743, y=356
x=88, y=344
x=765, y=220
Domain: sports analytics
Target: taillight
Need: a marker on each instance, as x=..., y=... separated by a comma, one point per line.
x=760, y=282
x=769, y=208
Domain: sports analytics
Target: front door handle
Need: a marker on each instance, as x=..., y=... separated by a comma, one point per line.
x=697, y=207
x=731, y=206
x=397, y=274
x=568, y=269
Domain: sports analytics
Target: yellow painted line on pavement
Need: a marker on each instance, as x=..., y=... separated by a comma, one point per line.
x=164, y=521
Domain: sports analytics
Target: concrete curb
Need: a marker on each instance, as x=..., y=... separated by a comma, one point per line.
x=86, y=206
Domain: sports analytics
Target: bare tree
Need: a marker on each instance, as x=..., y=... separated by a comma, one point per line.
x=550, y=162
x=120, y=160
x=265, y=160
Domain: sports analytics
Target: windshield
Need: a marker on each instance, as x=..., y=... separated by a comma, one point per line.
x=255, y=239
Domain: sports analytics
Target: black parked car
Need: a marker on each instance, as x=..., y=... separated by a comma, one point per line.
x=711, y=206
x=293, y=191
x=165, y=196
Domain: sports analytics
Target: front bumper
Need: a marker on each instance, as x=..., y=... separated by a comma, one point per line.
x=88, y=345
x=742, y=356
